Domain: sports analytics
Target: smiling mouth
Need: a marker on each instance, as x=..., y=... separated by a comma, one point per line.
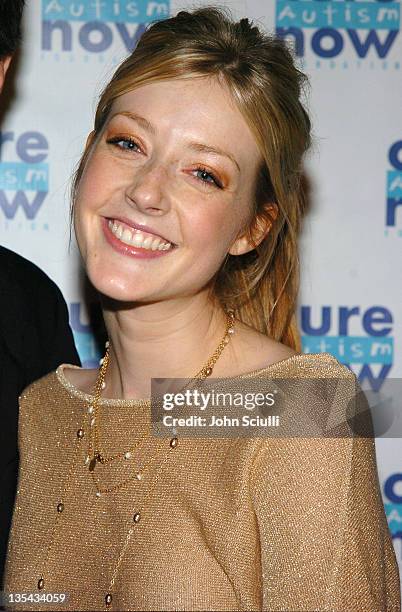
x=138, y=238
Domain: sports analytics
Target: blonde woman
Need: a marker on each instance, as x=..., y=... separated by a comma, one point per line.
x=187, y=203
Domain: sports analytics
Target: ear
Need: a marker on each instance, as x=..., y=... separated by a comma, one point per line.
x=4, y=64
x=255, y=235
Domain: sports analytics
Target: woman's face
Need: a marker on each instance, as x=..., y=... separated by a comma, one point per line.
x=177, y=159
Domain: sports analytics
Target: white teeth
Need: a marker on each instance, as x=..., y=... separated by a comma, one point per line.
x=138, y=238
x=127, y=235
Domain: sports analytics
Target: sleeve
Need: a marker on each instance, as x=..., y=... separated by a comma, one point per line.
x=323, y=534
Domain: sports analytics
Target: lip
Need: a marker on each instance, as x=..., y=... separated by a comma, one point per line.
x=143, y=227
x=126, y=249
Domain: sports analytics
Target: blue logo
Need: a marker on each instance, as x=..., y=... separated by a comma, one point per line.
x=95, y=25
x=84, y=338
x=331, y=331
x=393, y=214
x=393, y=506
x=24, y=173
x=368, y=27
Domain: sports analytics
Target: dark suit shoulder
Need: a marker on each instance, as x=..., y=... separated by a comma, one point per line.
x=30, y=278
x=34, y=323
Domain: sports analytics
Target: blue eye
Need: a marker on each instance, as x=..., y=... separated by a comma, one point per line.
x=127, y=144
x=208, y=175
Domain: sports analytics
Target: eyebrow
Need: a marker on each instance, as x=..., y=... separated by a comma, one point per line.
x=195, y=146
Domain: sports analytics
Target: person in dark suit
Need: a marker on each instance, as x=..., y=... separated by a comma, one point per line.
x=35, y=336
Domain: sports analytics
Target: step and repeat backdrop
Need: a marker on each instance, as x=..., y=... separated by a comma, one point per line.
x=351, y=299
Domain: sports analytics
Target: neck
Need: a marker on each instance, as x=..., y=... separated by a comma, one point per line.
x=169, y=339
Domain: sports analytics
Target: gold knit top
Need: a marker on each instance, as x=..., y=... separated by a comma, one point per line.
x=243, y=523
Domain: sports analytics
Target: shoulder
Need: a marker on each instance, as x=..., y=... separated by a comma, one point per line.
x=46, y=402
x=28, y=276
x=324, y=423
x=48, y=415
x=18, y=264
x=308, y=365
x=51, y=389
x=321, y=407
x=41, y=389
x=36, y=405
x=253, y=350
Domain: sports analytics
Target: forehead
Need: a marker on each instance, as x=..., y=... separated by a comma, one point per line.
x=195, y=108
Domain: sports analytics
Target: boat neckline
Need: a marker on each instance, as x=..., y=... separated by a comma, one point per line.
x=75, y=391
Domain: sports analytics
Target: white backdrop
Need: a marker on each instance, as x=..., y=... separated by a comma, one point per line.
x=351, y=299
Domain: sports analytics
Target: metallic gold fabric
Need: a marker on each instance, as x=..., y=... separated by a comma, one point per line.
x=229, y=524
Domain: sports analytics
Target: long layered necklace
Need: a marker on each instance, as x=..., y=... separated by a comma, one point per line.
x=95, y=455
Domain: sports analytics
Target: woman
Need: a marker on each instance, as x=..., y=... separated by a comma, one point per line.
x=187, y=202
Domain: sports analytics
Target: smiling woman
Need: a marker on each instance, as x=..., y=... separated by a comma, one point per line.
x=187, y=205
x=169, y=177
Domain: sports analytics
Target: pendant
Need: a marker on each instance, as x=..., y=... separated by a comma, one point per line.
x=93, y=461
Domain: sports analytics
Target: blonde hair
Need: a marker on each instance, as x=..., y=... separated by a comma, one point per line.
x=259, y=70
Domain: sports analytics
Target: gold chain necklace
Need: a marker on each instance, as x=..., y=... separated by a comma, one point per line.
x=94, y=452
x=205, y=371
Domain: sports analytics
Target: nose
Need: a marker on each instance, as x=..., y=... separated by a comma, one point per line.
x=146, y=190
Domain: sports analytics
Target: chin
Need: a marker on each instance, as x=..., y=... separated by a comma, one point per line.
x=113, y=284
x=120, y=293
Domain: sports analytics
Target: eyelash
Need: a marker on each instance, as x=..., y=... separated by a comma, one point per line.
x=115, y=141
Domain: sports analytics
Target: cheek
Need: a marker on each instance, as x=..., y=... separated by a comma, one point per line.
x=79, y=228
x=211, y=231
x=95, y=183
x=207, y=234
x=81, y=206
x=93, y=192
